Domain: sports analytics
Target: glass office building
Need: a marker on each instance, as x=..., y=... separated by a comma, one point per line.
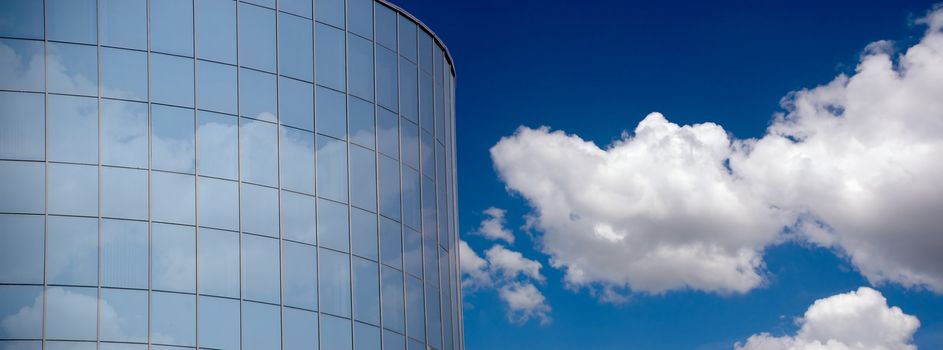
x=219, y=174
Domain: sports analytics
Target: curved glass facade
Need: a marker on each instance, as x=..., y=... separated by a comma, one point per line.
x=225, y=174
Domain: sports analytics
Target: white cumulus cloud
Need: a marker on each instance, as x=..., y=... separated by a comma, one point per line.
x=493, y=228
x=857, y=320
x=474, y=269
x=852, y=165
x=510, y=263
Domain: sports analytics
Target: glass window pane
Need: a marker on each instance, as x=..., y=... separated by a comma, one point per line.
x=73, y=129
x=219, y=263
x=386, y=27
x=329, y=59
x=427, y=153
x=257, y=37
x=295, y=104
x=387, y=133
x=414, y=344
x=72, y=20
x=260, y=269
x=364, y=177
x=412, y=246
x=434, y=325
x=409, y=90
x=218, y=145
x=297, y=163
x=259, y=152
x=407, y=38
x=331, y=113
x=367, y=337
x=22, y=188
x=298, y=7
x=360, y=17
x=332, y=168
x=216, y=30
x=218, y=203
x=361, y=67
x=173, y=318
x=300, y=332
x=300, y=276
x=124, y=23
x=391, y=243
x=23, y=65
x=409, y=138
x=259, y=210
x=332, y=225
x=71, y=313
x=21, y=19
x=387, y=94
x=416, y=328
x=124, y=193
x=426, y=102
x=393, y=341
x=123, y=315
x=219, y=323
x=330, y=12
x=73, y=189
x=124, y=133
x=21, y=245
x=257, y=95
x=297, y=160
x=260, y=326
x=389, y=187
x=18, y=323
x=124, y=254
x=216, y=87
x=335, y=282
x=425, y=52
x=22, y=125
x=298, y=217
x=172, y=26
x=392, y=289
x=124, y=74
x=171, y=80
x=411, y=205
x=335, y=333
x=366, y=291
x=363, y=230
x=173, y=264
x=362, y=123
x=428, y=209
x=172, y=198
x=294, y=56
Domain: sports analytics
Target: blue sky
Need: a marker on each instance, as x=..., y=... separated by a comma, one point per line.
x=596, y=70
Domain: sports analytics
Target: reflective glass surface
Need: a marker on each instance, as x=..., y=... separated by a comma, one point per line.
x=294, y=46
x=124, y=254
x=122, y=23
x=329, y=56
x=332, y=168
x=172, y=26
x=225, y=174
x=334, y=277
x=22, y=126
x=173, y=258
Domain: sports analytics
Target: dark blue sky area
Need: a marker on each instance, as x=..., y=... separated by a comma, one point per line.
x=597, y=68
